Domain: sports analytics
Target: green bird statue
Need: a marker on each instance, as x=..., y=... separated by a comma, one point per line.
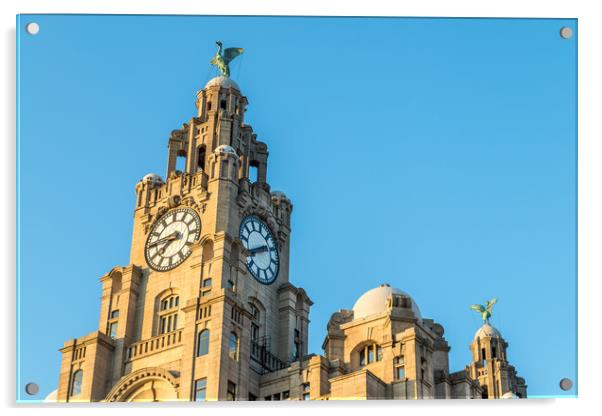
x=485, y=311
x=222, y=59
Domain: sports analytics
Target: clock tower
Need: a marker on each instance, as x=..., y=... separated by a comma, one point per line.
x=205, y=308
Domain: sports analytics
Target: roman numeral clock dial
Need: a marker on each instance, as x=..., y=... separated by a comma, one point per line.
x=263, y=261
x=168, y=243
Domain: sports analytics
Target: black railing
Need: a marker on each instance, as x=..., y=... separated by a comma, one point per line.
x=268, y=362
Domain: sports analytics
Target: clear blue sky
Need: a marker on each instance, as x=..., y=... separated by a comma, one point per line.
x=438, y=155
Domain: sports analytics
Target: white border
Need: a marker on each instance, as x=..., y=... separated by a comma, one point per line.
x=590, y=185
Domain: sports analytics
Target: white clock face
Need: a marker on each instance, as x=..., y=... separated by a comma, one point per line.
x=263, y=260
x=168, y=243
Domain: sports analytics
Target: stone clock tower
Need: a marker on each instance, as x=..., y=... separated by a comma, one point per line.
x=204, y=309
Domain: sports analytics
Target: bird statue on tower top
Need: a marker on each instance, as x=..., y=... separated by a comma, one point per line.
x=485, y=311
x=223, y=58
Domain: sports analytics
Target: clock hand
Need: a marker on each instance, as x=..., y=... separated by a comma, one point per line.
x=162, y=249
x=259, y=249
x=164, y=239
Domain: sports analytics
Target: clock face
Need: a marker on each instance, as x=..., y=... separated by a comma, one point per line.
x=168, y=243
x=263, y=260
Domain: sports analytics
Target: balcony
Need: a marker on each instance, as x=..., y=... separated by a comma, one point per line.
x=154, y=345
x=267, y=361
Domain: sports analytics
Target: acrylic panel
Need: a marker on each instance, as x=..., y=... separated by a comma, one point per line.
x=430, y=254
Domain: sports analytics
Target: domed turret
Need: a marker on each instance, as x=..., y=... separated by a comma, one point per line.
x=223, y=82
x=152, y=178
x=375, y=301
x=224, y=148
x=487, y=331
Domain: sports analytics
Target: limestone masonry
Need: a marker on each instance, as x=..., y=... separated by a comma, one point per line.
x=205, y=309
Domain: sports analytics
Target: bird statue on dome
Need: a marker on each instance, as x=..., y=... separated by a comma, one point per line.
x=485, y=311
x=222, y=59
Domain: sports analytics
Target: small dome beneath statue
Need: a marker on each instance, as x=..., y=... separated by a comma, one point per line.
x=509, y=395
x=153, y=178
x=222, y=81
x=279, y=197
x=224, y=148
x=487, y=331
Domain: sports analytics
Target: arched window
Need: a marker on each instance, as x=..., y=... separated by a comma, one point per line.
x=233, y=346
x=207, y=250
x=369, y=354
x=168, y=314
x=202, y=343
x=255, y=323
x=201, y=158
x=76, y=383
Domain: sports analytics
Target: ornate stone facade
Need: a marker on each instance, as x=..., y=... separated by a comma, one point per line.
x=206, y=323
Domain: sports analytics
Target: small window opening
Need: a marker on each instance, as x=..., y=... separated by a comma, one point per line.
x=201, y=158
x=253, y=171
x=222, y=104
x=181, y=162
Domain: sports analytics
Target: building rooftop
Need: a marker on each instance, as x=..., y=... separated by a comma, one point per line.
x=487, y=331
x=374, y=302
x=222, y=81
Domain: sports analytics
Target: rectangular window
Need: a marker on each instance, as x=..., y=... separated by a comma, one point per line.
x=113, y=329
x=285, y=395
x=267, y=398
x=200, y=390
x=276, y=396
x=363, y=357
x=379, y=353
x=306, y=390
x=252, y=397
x=231, y=393
x=370, y=354
x=254, y=332
x=400, y=373
x=207, y=282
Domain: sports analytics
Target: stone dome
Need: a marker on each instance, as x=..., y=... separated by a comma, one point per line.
x=52, y=397
x=374, y=302
x=223, y=82
x=509, y=395
x=487, y=331
x=224, y=148
x=152, y=177
x=279, y=196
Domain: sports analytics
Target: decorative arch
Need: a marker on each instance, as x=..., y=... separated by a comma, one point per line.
x=207, y=247
x=151, y=384
x=167, y=311
x=371, y=351
x=258, y=318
